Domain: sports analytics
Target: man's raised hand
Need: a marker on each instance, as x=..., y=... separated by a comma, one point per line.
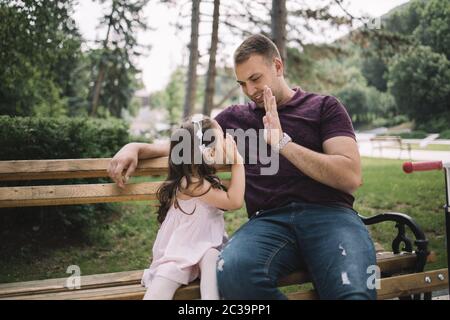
x=272, y=127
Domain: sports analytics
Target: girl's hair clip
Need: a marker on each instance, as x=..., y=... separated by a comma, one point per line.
x=197, y=121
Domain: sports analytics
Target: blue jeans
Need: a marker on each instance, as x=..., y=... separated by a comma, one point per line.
x=331, y=242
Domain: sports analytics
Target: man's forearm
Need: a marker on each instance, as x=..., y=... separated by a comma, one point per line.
x=336, y=171
x=151, y=150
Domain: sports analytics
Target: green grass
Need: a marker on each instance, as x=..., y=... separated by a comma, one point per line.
x=432, y=147
x=420, y=195
x=125, y=242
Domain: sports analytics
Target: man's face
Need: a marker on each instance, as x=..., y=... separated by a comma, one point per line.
x=253, y=74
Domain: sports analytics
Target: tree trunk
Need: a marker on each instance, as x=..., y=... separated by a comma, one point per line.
x=97, y=88
x=101, y=68
x=211, y=75
x=191, y=85
x=279, y=22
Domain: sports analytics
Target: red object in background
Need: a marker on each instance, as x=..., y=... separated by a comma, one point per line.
x=410, y=167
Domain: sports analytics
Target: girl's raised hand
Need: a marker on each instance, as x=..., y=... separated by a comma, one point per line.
x=231, y=151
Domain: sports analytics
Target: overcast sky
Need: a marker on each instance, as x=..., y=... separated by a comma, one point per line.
x=169, y=47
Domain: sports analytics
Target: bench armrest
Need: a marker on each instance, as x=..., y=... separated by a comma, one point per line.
x=403, y=220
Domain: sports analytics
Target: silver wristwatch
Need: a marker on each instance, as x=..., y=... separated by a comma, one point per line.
x=280, y=145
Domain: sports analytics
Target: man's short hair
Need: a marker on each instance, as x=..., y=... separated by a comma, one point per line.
x=256, y=44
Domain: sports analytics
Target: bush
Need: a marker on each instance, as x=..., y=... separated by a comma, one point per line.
x=439, y=123
x=390, y=122
x=24, y=138
x=418, y=134
x=420, y=83
x=29, y=138
x=445, y=134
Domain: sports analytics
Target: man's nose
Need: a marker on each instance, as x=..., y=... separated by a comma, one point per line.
x=251, y=90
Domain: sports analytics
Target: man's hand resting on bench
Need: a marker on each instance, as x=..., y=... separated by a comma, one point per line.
x=124, y=162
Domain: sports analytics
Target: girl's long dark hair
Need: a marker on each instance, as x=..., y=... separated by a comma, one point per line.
x=176, y=172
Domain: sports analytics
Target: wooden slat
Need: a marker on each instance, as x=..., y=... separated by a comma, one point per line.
x=76, y=194
x=387, y=262
x=126, y=292
x=397, y=286
x=389, y=288
x=408, y=284
x=59, y=284
x=76, y=168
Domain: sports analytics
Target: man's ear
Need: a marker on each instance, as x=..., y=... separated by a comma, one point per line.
x=279, y=66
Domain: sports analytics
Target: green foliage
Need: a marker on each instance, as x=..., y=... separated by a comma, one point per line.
x=354, y=97
x=445, y=134
x=322, y=68
x=416, y=134
x=30, y=138
x=24, y=138
x=420, y=83
x=374, y=69
x=113, y=67
x=406, y=18
x=389, y=122
x=119, y=82
x=434, y=27
x=39, y=59
x=387, y=188
x=437, y=123
x=366, y=104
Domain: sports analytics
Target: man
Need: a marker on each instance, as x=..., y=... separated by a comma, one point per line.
x=302, y=215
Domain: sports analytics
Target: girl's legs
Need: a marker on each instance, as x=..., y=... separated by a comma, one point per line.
x=161, y=289
x=208, y=279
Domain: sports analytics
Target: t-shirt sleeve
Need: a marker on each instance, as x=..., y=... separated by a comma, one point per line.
x=335, y=120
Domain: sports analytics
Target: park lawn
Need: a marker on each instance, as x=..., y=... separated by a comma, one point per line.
x=432, y=147
x=125, y=242
x=420, y=195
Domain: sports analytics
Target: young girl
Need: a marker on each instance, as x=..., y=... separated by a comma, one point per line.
x=192, y=201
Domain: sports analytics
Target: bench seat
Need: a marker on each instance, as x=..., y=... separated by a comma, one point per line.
x=126, y=285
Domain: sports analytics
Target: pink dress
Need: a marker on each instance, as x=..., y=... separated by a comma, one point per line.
x=183, y=240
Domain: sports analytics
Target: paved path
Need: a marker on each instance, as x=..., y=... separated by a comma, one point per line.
x=366, y=150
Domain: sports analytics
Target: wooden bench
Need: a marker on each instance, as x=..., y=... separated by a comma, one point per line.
x=380, y=142
x=401, y=270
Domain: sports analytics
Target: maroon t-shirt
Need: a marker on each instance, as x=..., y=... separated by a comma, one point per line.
x=309, y=119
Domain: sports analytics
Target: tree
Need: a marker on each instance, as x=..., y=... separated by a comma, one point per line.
x=278, y=27
x=434, y=27
x=191, y=84
x=114, y=70
x=354, y=97
x=323, y=68
x=420, y=84
x=405, y=18
x=374, y=69
x=39, y=58
x=211, y=74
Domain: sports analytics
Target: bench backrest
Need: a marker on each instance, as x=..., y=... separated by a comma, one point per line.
x=49, y=195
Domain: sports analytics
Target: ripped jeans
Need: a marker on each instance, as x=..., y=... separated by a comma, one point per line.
x=331, y=242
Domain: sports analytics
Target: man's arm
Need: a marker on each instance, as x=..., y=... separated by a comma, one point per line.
x=338, y=167
x=127, y=159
